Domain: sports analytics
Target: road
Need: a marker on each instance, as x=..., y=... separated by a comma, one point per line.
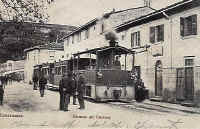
x=23, y=107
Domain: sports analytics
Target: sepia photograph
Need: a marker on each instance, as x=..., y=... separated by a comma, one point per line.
x=99, y=64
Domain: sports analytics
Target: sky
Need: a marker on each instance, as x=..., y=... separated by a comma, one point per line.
x=79, y=12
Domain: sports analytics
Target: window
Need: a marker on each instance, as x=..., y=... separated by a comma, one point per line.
x=72, y=39
x=189, y=62
x=135, y=39
x=79, y=36
x=51, y=54
x=123, y=37
x=87, y=33
x=157, y=33
x=102, y=28
x=188, y=25
x=27, y=56
x=67, y=41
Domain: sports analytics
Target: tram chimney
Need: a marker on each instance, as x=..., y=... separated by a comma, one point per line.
x=111, y=36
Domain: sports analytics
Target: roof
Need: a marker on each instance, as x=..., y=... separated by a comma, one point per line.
x=90, y=23
x=164, y=12
x=49, y=46
x=118, y=49
x=118, y=17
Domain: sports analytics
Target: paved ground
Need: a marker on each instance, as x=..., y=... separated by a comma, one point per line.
x=24, y=108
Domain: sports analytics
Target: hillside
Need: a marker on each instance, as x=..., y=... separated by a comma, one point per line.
x=15, y=37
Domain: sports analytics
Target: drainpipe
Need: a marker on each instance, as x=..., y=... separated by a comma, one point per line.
x=171, y=37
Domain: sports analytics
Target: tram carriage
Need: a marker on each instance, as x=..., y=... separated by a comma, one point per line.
x=58, y=69
x=107, y=81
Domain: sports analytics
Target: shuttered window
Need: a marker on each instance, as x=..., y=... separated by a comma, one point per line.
x=72, y=39
x=135, y=39
x=87, y=33
x=152, y=34
x=188, y=25
x=157, y=33
x=160, y=35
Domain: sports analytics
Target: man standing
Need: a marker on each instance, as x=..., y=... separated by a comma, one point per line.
x=1, y=91
x=61, y=93
x=35, y=82
x=80, y=89
x=74, y=90
x=67, y=84
x=42, y=84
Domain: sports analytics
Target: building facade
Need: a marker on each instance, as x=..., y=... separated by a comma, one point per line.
x=165, y=42
x=11, y=67
x=92, y=34
x=39, y=55
x=166, y=45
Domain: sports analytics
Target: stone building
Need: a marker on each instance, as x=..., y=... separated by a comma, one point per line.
x=38, y=55
x=166, y=45
x=92, y=34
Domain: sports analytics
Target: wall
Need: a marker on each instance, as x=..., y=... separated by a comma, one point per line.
x=39, y=56
x=174, y=47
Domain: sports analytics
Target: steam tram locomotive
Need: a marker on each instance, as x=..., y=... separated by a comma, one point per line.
x=105, y=80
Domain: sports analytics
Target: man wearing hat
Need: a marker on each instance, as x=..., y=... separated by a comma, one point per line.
x=67, y=84
x=42, y=84
x=61, y=92
x=74, y=90
x=80, y=89
x=1, y=90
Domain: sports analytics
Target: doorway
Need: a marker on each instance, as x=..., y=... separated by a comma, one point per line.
x=189, y=83
x=158, y=78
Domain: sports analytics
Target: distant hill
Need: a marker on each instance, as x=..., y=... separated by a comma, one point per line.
x=15, y=37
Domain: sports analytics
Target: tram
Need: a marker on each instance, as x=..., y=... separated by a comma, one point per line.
x=104, y=77
x=105, y=80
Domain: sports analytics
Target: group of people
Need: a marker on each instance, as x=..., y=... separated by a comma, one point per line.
x=71, y=85
x=42, y=83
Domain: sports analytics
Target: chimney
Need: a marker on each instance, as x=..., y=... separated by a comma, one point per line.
x=147, y=3
x=113, y=10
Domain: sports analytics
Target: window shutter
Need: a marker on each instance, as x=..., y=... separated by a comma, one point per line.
x=138, y=38
x=182, y=26
x=194, y=24
x=152, y=34
x=162, y=33
x=132, y=39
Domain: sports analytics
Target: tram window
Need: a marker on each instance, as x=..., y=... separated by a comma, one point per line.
x=59, y=70
x=63, y=69
x=88, y=91
x=56, y=70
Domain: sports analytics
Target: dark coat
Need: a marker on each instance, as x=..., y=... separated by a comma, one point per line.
x=66, y=85
x=35, y=79
x=81, y=84
x=42, y=82
x=61, y=86
x=1, y=90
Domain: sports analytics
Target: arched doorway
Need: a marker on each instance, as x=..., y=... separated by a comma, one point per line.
x=158, y=78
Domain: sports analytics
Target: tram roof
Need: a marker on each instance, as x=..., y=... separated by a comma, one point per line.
x=118, y=49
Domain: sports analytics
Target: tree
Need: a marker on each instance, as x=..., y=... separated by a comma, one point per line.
x=19, y=25
x=24, y=10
